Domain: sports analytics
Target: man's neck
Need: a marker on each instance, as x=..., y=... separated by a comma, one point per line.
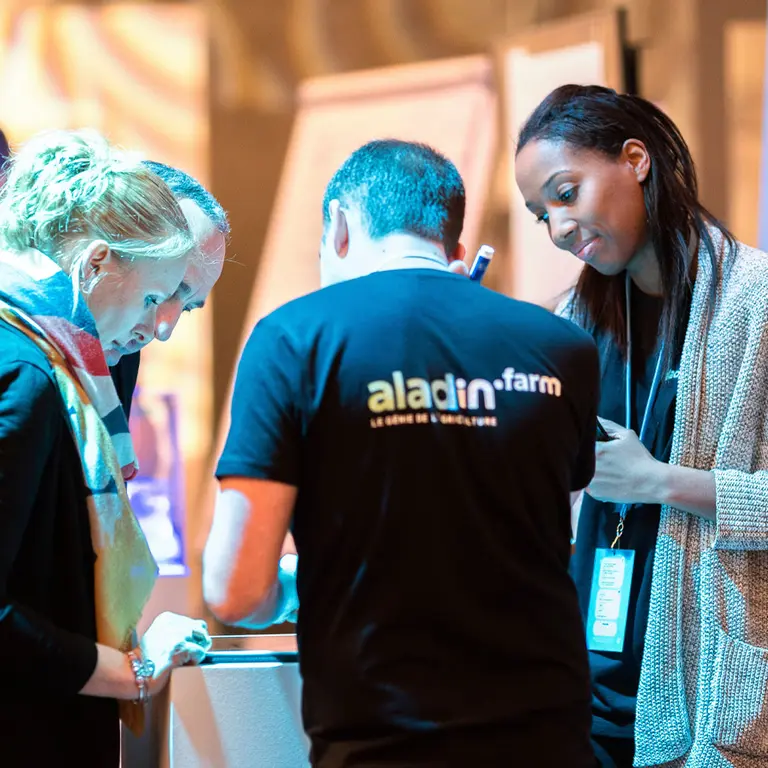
x=403, y=251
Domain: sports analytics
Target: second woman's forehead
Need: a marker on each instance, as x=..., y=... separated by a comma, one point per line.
x=543, y=163
x=537, y=165
x=546, y=158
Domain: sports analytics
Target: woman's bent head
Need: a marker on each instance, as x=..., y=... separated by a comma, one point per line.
x=613, y=180
x=106, y=220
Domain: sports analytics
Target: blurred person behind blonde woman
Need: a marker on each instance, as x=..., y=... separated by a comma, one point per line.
x=91, y=242
x=209, y=225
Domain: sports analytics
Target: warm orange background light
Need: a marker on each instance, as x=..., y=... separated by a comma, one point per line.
x=138, y=74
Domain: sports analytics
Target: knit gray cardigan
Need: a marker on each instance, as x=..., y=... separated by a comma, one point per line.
x=703, y=696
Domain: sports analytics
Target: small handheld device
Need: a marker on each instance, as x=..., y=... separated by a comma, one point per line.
x=602, y=436
x=481, y=262
x=237, y=649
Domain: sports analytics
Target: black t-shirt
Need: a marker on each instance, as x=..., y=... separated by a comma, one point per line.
x=615, y=677
x=434, y=430
x=47, y=604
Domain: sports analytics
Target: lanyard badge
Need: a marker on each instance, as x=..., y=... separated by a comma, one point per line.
x=609, y=601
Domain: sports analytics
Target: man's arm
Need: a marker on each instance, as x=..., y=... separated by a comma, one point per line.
x=241, y=580
x=246, y=579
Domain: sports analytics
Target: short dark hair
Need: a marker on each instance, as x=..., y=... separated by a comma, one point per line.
x=402, y=186
x=185, y=187
x=591, y=117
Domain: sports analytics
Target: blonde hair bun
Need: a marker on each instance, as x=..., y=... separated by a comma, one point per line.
x=62, y=185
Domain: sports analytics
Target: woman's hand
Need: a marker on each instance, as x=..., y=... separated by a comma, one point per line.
x=625, y=471
x=173, y=641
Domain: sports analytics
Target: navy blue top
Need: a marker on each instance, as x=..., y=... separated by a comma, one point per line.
x=615, y=677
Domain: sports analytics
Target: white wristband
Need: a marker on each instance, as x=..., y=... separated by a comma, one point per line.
x=286, y=575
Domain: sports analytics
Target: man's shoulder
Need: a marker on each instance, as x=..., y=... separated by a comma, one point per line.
x=545, y=324
x=372, y=295
x=317, y=308
x=308, y=301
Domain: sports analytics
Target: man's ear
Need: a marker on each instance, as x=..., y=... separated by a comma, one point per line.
x=456, y=261
x=338, y=229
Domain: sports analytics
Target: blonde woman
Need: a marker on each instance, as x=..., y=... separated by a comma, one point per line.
x=91, y=241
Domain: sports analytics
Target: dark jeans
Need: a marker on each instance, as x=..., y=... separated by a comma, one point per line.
x=613, y=753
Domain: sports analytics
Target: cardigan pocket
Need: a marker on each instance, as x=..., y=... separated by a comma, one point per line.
x=738, y=708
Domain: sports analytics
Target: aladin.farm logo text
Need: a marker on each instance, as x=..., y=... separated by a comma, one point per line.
x=450, y=399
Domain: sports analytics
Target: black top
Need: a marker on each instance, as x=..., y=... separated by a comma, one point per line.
x=615, y=677
x=124, y=375
x=47, y=609
x=434, y=429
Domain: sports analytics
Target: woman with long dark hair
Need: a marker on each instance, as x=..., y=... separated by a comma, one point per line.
x=672, y=541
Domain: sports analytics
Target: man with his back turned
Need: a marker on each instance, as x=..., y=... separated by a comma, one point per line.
x=420, y=435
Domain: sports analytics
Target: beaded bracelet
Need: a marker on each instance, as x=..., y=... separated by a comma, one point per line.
x=143, y=669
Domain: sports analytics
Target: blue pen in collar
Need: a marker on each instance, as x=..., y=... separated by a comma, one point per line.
x=481, y=262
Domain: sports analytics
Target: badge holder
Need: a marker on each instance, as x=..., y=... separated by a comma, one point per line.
x=609, y=599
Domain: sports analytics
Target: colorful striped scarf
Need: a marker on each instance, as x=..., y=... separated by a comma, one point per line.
x=40, y=300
